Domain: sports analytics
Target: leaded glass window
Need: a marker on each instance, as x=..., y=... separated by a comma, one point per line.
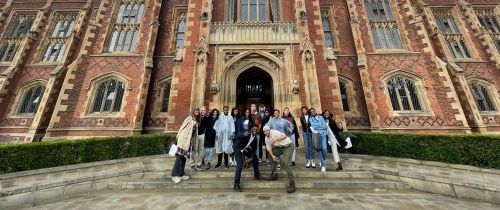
x=181, y=29
x=31, y=99
x=327, y=29
x=491, y=22
x=125, y=32
x=403, y=94
x=344, y=96
x=254, y=10
x=108, y=96
x=19, y=29
x=483, y=98
x=59, y=36
x=384, y=27
x=447, y=26
x=165, y=95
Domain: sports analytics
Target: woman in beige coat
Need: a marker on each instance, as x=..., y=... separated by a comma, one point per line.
x=185, y=137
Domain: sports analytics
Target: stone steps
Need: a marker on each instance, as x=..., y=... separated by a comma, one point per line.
x=248, y=173
x=249, y=183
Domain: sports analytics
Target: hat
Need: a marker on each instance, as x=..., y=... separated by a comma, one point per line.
x=266, y=128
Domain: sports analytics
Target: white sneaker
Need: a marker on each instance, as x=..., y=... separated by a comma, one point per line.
x=308, y=164
x=176, y=179
x=323, y=169
x=185, y=177
x=313, y=163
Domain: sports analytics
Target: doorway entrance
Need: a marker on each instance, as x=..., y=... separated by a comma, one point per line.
x=254, y=86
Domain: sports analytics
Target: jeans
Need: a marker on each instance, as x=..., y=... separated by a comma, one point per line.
x=308, y=146
x=323, y=152
x=208, y=152
x=239, y=165
x=180, y=163
x=286, y=160
x=198, y=150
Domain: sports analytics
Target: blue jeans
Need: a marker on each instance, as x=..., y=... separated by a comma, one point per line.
x=308, y=146
x=209, y=153
x=323, y=152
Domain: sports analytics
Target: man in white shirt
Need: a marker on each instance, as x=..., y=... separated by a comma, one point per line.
x=277, y=144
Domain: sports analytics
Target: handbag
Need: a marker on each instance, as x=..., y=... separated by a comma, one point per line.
x=317, y=141
x=173, y=150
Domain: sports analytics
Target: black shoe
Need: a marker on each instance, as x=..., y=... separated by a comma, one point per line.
x=208, y=166
x=293, y=163
x=291, y=187
x=237, y=188
x=217, y=166
x=257, y=177
x=339, y=168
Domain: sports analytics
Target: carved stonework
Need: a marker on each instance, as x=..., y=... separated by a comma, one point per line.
x=295, y=87
x=330, y=54
x=201, y=49
x=214, y=87
x=307, y=49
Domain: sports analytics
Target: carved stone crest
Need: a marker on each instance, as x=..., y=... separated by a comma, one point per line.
x=201, y=49
x=307, y=49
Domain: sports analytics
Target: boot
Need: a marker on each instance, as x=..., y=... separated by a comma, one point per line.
x=273, y=177
x=291, y=187
x=339, y=167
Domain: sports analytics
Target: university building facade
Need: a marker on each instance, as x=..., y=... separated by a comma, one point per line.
x=82, y=68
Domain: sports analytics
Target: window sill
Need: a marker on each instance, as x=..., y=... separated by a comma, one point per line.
x=5, y=63
x=468, y=60
x=392, y=51
x=45, y=64
x=22, y=116
x=489, y=113
x=117, y=54
x=411, y=113
x=104, y=115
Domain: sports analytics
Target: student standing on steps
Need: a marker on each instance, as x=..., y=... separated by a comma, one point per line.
x=185, y=138
x=287, y=115
x=336, y=133
x=265, y=119
x=257, y=120
x=245, y=144
x=307, y=133
x=277, y=143
x=319, y=125
x=224, y=128
x=210, y=136
x=198, y=147
x=235, y=113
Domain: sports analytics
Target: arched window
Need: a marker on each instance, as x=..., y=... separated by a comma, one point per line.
x=108, y=96
x=403, y=94
x=483, y=97
x=180, y=35
x=344, y=95
x=164, y=89
x=327, y=29
x=254, y=10
x=126, y=28
x=31, y=99
x=384, y=27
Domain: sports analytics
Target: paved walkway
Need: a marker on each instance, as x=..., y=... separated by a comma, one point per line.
x=268, y=200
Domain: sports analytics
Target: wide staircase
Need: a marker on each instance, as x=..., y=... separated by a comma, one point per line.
x=158, y=176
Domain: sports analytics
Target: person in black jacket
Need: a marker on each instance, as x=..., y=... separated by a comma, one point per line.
x=336, y=132
x=245, y=144
x=210, y=136
x=265, y=119
x=307, y=133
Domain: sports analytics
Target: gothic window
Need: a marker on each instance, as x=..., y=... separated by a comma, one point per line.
x=491, y=22
x=344, y=96
x=454, y=39
x=125, y=31
x=31, y=99
x=483, y=97
x=18, y=30
x=58, y=38
x=164, y=89
x=180, y=33
x=384, y=27
x=403, y=93
x=327, y=29
x=108, y=96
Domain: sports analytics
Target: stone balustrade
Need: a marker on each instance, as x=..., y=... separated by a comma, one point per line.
x=253, y=33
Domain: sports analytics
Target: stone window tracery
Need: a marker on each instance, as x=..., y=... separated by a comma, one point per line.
x=327, y=29
x=18, y=30
x=447, y=26
x=108, y=96
x=30, y=100
x=253, y=10
x=180, y=32
x=383, y=25
x=404, y=94
x=491, y=22
x=125, y=31
x=59, y=36
x=483, y=97
x=164, y=91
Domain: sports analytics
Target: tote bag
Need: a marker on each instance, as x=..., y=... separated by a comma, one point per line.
x=173, y=150
x=317, y=141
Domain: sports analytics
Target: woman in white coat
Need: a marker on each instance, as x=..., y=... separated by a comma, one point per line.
x=185, y=137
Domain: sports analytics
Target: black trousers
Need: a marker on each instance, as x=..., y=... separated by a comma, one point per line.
x=179, y=165
x=239, y=161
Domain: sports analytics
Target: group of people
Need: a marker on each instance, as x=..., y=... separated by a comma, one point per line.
x=234, y=136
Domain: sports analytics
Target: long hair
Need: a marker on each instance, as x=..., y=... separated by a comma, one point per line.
x=289, y=113
x=196, y=117
x=307, y=111
x=212, y=113
x=235, y=116
x=330, y=115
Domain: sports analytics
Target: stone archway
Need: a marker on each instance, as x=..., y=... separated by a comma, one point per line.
x=254, y=86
